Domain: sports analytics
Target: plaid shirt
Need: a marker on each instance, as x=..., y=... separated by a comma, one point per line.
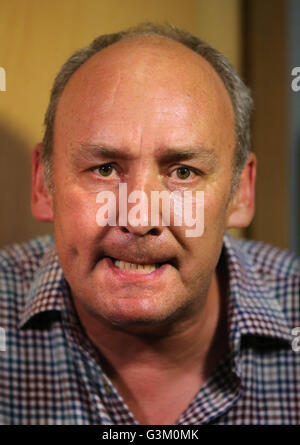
x=50, y=373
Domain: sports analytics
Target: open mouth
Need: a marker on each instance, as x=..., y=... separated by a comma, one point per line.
x=125, y=266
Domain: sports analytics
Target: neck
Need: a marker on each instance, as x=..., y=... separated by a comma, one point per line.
x=196, y=341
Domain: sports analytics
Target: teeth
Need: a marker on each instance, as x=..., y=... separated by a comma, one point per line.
x=136, y=268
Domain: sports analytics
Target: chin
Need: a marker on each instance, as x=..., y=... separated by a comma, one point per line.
x=133, y=316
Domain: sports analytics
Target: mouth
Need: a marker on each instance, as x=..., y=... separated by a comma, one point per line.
x=136, y=268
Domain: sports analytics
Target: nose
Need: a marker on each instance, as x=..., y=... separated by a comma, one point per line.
x=141, y=231
x=136, y=213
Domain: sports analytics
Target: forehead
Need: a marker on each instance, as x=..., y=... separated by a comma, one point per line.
x=139, y=82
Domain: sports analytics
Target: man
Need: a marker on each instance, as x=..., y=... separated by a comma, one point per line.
x=140, y=323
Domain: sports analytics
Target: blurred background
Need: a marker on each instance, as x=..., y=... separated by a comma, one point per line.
x=261, y=38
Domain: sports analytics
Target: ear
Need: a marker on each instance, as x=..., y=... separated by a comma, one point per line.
x=241, y=207
x=41, y=197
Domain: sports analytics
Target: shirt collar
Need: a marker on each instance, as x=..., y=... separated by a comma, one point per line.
x=46, y=291
x=253, y=308
x=252, y=305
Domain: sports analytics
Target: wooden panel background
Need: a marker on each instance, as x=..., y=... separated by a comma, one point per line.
x=266, y=72
x=35, y=39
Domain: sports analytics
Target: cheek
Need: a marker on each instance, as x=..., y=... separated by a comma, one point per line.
x=75, y=215
x=216, y=200
x=203, y=251
x=206, y=211
x=215, y=216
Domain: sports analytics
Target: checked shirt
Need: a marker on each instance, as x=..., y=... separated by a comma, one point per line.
x=51, y=374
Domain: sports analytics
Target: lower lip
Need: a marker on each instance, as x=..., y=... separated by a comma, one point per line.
x=132, y=276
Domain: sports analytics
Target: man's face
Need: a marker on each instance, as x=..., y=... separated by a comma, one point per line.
x=158, y=117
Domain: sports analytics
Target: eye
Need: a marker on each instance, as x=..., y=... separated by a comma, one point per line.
x=105, y=169
x=183, y=172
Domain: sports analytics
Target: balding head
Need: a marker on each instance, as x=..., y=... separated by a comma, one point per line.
x=237, y=91
x=149, y=114
x=138, y=78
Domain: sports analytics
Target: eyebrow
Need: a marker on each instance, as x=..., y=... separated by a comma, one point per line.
x=185, y=154
x=88, y=152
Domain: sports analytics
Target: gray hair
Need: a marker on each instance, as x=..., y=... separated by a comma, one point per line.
x=238, y=92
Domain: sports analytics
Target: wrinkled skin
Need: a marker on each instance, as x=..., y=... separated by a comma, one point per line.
x=161, y=333
x=142, y=98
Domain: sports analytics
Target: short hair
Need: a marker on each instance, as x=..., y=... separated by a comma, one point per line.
x=239, y=94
